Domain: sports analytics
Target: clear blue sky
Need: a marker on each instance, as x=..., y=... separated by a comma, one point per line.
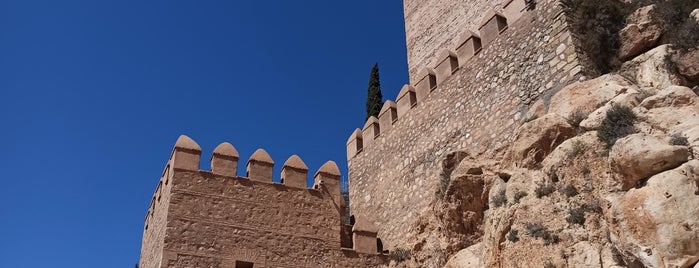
x=95, y=93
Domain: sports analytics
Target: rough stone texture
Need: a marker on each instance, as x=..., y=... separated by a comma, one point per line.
x=200, y=219
x=475, y=110
x=662, y=112
x=466, y=258
x=688, y=64
x=641, y=33
x=657, y=224
x=436, y=24
x=586, y=97
x=536, y=139
x=651, y=70
x=640, y=156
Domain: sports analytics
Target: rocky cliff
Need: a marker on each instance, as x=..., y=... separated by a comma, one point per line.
x=604, y=173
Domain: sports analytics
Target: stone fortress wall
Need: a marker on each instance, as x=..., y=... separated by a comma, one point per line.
x=493, y=62
x=218, y=219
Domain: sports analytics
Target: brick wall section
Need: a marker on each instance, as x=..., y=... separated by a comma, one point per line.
x=434, y=24
x=476, y=109
x=155, y=222
x=214, y=221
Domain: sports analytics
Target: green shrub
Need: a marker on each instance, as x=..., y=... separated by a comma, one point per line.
x=544, y=190
x=569, y=190
x=499, y=199
x=679, y=139
x=576, y=216
x=578, y=148
x=513, y=236
x=519, y=195
x=618, y=123
x=593, y=206
x=596, y=25
x=678, y=28
x=585, y=170
x=536, y=230
x=399, y=255
x=577, y=117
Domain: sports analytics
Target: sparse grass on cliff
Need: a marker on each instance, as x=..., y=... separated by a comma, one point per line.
x=569, y=190
x=519, y=195
x=576, y=216
x=500, y=199
x=544, y=190
x=399, y=255
x=513, y=236
x=618, y=123
x=536, y=230
x=679, y=139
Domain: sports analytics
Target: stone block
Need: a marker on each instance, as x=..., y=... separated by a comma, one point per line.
x=406, y=100
x=387, y=116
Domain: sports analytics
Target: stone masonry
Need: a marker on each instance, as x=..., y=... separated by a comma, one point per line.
x=484, y=73
x=217, y=219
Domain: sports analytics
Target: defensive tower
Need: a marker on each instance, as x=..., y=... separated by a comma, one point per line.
x=216, y=218
x=476, y=68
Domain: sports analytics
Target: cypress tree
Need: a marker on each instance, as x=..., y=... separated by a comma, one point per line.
x=374, y=99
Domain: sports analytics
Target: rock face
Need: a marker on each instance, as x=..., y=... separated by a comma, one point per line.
x=688, y=64
x=536, y=139
x=466, y=258
x=586, y=97
x=641, y=33
x=640, y=156
x=658, y=224
x=651, y=71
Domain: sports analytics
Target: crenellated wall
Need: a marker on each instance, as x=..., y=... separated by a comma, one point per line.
x=482, y=73
x=434, y=24
x=217, y=218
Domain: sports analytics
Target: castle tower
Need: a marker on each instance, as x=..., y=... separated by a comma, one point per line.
x=215, y=218
x=431, y=25
x=476, y=68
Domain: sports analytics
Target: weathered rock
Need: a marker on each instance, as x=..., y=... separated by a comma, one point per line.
x=639, y=156
x=640, y=34
x=659, y=223
x=584, y=254
x=576, y=145
x=594, y=119
x=651, y=70
x=536, y=139
x=467, y=258
x=587, y=96
x=673, y=96
x=688, y=64
x=673, y=110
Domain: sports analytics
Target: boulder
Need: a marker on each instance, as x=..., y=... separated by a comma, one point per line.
x=658, y=224
x=466, y=258
x=583, y=255
x=587, y=96
x=536, y=139
x=641, y=33
x=651, y=70
x=594, y=119
x=673, y=110
x=639, y=156
x=688, y=64
x=673, y=96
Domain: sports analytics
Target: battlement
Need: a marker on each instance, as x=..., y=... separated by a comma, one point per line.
x=493, y=23
x=476, y=70
x=232, y=211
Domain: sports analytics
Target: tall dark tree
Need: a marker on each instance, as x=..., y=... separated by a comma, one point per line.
x=374, y=100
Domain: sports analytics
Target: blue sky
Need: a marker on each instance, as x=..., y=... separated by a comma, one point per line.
x=95, y=93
